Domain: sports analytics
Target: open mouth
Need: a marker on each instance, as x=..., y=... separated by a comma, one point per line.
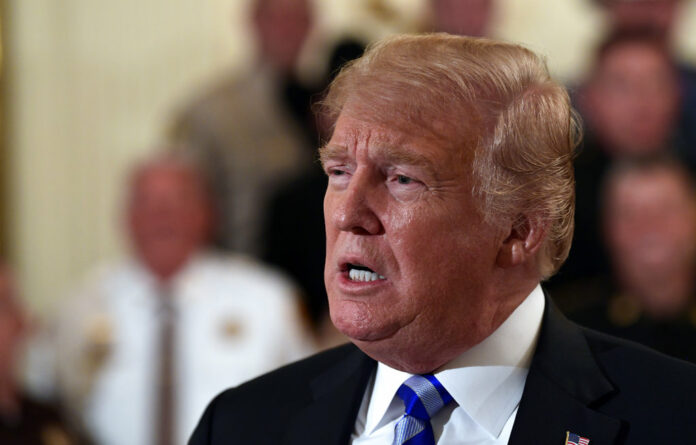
x=358, y=272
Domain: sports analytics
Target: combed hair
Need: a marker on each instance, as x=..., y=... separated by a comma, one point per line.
x=496, y=103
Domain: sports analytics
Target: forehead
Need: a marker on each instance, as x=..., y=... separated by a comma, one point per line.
x=396, y=140
x=164, y=177
x=634, y=56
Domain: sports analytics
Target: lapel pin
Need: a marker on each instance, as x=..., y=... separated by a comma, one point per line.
x=574, y=439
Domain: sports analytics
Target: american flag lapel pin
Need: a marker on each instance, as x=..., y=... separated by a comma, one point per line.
x=574, y=439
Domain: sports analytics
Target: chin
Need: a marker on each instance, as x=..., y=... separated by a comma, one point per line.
x=358, y=323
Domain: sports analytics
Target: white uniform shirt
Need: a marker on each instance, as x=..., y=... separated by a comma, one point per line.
x=486, y=383
x=236, y=320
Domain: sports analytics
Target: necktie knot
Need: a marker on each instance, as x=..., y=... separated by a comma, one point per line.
x=423, y=397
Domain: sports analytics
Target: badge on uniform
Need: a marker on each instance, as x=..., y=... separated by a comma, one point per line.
x=574, y=439
x=231, y=329
x=99, y=331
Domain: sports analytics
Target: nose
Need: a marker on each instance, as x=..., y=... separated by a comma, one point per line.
x=353, y=208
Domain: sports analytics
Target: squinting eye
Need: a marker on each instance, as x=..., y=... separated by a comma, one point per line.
x=401, y=179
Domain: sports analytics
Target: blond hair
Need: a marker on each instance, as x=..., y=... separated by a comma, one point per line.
x=494, y=101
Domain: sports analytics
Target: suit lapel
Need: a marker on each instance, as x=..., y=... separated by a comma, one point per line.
x=563, y=385
x=336, y=397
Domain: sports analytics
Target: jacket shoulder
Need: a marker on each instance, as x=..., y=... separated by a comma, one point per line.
x=290, y=378
x=618, y=356
x=650, y=388
x=260, y=406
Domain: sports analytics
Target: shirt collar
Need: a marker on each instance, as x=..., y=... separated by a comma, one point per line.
x=486, y=381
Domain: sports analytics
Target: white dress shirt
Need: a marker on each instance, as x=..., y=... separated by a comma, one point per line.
x=235, y=320
x=486, y=383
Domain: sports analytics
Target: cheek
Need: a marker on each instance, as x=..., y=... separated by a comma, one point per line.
x=432, y=256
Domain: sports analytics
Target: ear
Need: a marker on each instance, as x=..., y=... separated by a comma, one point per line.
x=526, y=236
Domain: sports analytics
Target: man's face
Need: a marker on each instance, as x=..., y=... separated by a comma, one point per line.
x=633, y=99
x=650, y=224
x=409, y=257
x=169, y=217
x=282, y=26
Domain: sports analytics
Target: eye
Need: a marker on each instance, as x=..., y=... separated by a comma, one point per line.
x=402, y=179
x=337, y=173
x=338, y=176
x=334, y=171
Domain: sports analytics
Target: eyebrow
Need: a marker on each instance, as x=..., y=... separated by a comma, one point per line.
x=408, y=157
x=332, y=151
x=387, y=153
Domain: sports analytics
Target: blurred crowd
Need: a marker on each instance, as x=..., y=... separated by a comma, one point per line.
x=224, y=279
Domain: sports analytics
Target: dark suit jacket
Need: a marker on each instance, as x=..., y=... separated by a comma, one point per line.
x=599, y=387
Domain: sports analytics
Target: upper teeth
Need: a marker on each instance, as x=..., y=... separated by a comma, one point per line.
x=364, y=275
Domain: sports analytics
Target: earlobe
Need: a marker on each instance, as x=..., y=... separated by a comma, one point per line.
x=511, y=253
x=524, y=240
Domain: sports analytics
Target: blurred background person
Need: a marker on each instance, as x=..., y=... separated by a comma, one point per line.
x=630, y=107
x=147, y=341
x=631, y=100
x=661, y=17
x=23, y=419
x=252, y=131
x=649, y=222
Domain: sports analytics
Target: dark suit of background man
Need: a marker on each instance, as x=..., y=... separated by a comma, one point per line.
x=450, y=198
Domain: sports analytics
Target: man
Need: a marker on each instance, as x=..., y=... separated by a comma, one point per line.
x=631, y=99
x=149, y=340
x=663, y=18
x=450, y=197
x=247, y=130
x=649, y=220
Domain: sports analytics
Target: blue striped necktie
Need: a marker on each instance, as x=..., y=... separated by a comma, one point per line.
x=423, y=397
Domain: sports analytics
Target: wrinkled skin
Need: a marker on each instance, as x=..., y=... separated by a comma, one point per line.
x=400, y=203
